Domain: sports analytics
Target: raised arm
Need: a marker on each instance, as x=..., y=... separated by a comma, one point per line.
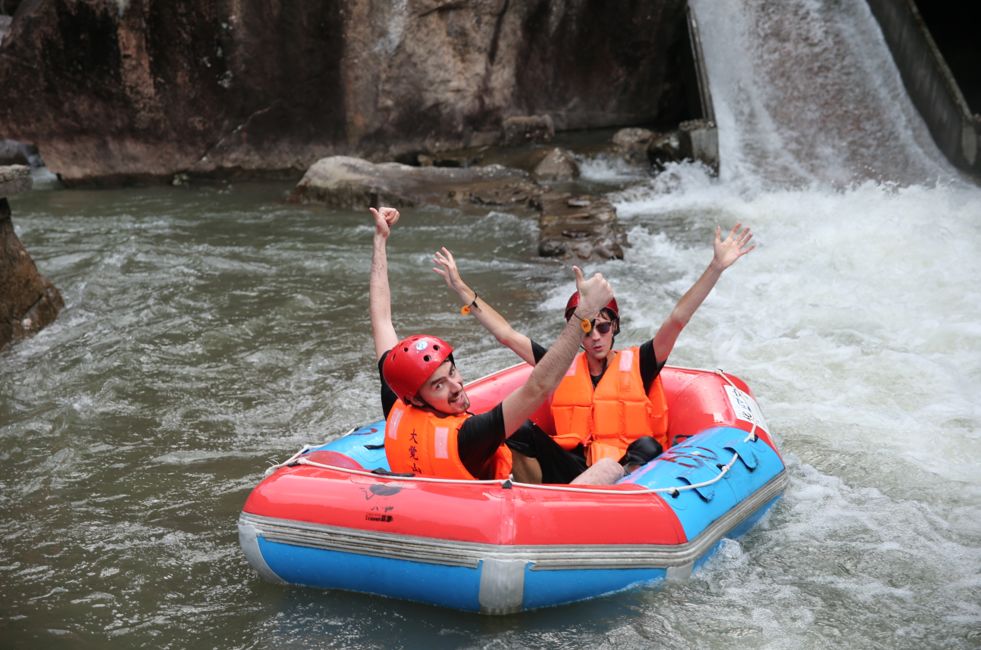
x=483, y=312
x=726, y=253
x=522, y=403
x=379, y=293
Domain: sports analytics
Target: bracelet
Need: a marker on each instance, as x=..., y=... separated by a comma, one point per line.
x=466, y=309
x=585, y=324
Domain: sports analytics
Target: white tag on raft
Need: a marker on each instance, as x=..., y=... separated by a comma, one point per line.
x=746, y=408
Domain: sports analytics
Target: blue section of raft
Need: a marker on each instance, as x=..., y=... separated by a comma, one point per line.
x=699, y=460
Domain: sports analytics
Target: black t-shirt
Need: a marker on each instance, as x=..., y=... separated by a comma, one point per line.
x=649, y=366
x=478, y=439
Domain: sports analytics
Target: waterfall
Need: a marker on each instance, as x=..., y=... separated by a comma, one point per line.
x=807, y=91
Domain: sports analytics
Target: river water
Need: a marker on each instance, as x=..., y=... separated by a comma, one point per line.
x=212, y=330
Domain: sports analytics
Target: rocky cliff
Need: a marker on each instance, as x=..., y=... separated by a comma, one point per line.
x=28, y=300
x=116, y=90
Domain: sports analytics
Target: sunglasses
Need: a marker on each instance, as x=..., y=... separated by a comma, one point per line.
x=603, y=327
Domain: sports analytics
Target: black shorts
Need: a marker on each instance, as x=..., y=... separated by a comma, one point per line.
x=558, y=465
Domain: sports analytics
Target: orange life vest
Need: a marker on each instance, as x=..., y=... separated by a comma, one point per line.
x=608, y=418
x=424, y=443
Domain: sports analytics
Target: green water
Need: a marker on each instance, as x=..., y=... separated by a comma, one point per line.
x=211, y=331
x=207, y=333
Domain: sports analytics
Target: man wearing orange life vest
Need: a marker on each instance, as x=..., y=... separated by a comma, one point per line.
x=610, y=403
x=429, y=429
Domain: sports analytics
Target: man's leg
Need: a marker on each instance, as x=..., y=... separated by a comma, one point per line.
x=525, y=469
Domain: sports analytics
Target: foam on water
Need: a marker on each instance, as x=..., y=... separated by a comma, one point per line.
x=857, y=321
x=207, y=332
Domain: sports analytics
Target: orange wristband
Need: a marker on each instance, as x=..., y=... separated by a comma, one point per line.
x=466, y=309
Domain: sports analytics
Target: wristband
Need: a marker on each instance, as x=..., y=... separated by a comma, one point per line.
x=466, y=309
x=585, y=324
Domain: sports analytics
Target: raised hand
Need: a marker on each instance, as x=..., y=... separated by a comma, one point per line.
x=594, y=293
x=446, y=267
x=384, y=218
x=734, y=246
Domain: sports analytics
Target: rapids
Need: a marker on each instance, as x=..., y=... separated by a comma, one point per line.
x=212, y=330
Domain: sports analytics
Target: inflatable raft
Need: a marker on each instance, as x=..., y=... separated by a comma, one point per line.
x=333, y=517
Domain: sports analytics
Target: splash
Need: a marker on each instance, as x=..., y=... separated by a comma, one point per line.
x=806, y=91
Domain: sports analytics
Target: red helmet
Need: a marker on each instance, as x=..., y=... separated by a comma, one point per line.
x=570, y=306
x=410, y=363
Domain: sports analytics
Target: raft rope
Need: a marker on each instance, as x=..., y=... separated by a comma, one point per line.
x=298, y=459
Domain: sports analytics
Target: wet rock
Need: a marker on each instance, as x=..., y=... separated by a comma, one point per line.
x=4, y=26
x=14, y=179
x=537, y=129
x=664, y=148
x=582, y=228
x=557, y=165
x=632, y=144
x=341, y=181
x=28, y=300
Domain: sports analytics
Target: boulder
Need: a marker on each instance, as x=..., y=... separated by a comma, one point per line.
x=665, y=148
x=345, y=182
x=28, y=300
x=14, y=179
x=632, y=143
x=583, y=228
x=557, y=165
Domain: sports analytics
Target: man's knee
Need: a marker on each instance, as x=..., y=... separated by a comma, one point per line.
x=605, y=471
x=525, y=469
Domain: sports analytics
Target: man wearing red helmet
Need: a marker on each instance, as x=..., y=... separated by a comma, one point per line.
x=429, y=429
x=610, y=404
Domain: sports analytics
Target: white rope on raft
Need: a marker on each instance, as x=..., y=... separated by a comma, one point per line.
x=507, y=483
x=297, y=459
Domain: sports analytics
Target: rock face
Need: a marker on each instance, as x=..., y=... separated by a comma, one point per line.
x=4, y=26
x=13, y=153
x=344, y=182
x=28, y=301
x=527, y=129
x=112, y=91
